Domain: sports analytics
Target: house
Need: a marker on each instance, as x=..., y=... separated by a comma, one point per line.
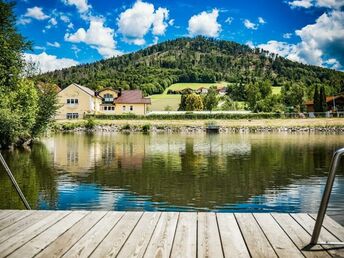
x=131, y=101
x=334, y=103
x=222, y=91
x=75, y=101
x=202, y=90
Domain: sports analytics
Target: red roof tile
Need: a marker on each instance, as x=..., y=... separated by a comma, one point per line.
x=132, y=97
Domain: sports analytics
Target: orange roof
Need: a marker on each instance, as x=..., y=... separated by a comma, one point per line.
x=328, y=99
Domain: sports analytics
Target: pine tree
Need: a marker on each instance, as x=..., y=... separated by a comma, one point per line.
x=316, y=99
x=322, y=100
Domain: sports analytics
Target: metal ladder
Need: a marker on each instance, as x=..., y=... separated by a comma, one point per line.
x=14, y=182
x=325, y=199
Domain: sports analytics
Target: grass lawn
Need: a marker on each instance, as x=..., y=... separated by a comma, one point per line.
x=276, y=90
x=160, y=101
x=194, y=86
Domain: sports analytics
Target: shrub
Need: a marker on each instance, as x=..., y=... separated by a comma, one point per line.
x=126, y=127
x=146, y=128
x=90, y=123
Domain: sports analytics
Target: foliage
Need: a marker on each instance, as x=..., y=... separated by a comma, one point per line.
x=293, y=95
x=197, y=59
x=168, y=108
x=24, y=110
x=146, y=128
x=193, y=102
x=211, y=100
x=90, y=123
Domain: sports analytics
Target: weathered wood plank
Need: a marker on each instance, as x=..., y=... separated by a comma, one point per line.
x=137, y=243
x=233, y=243
x=161, y=242
x=185, y=241
x=65, y=241
x=38, y=243
x=13, y=243
x=112, y=243
x=332, y=226
x=86, y=245
x=5, y=213
x=13, y=218
x=280, y=242
x=209, y=243
x=22, y=224
x=308, y=224
x=299, y=236
x=255, y=239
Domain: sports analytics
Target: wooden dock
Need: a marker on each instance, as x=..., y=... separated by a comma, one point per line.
x=162, y=234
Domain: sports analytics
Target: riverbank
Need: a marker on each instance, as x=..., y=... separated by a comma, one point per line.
x=195, y=126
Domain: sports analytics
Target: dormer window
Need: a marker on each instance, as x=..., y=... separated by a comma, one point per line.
x=72, y=101
x=108, y=97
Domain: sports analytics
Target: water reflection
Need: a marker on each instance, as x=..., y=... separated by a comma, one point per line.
x=227, y=172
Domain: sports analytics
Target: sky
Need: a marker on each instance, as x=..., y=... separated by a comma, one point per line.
x=70, y=32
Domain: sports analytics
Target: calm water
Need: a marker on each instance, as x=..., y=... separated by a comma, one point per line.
x=227, y=172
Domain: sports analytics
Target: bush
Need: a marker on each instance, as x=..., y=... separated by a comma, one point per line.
x=126, y=127
x=146, y=128
x=90, y=123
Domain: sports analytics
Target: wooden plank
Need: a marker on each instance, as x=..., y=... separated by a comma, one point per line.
x=308, y=224
x=332, y=226
x=209, y=243
x=13, y=218
x=161, y=242
x=13, y=243
x=65, y=241
x=185, y=240
x=255, y=239
x=280, y=242
x=112, y=243
x=22, y=224
x=38, y=243
x=299, y=236
x=233, y=243
x=85, y=246
x=5, y=213
x=137, y=243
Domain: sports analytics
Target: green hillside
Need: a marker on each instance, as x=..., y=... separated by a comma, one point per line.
x=199, y=59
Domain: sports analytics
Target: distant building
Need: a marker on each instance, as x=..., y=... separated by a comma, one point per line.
x=76, y=101
x=202, y=90
x=334, y=103
x=222, y=91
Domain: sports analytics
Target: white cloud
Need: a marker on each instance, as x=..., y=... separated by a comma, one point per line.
x=331, y=4
x=261, y=20
x=47, y=62
x=322, y=43
x=171, y=22
x=250, y=25
x=159, y=24
x=23, y=21
x=36, y=13
x=287, y=35
x=55, y=44
x=98, y=36
x=301, y=3
x=65, y=18
x=250, y=44
x=70, y=25
x=205, y=24
x=51, y=23
x=135, y=22
x=81, y=5
x=229, y=20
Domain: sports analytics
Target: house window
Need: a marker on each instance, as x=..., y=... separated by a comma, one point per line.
x=131, y=108
x=72, y=115
x=108, y=97
x=123, y=108
x=72, y=101
x=112, y=108
x=105, y=108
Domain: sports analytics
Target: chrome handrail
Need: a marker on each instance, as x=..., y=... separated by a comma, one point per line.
x=325, y=199
x=14, y=182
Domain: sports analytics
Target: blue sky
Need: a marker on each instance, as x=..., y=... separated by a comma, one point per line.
x=69, y=32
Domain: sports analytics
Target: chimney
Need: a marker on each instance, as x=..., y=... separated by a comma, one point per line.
x=119, y=92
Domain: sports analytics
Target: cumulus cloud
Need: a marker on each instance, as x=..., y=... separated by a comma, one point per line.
x=47, y=62
x=81, y=5
x=36, y=13
x=322, y=43
x=97, y=36
x=287, y=35
x=250, y=44
x=135, y=22
x=205, y=24
x=261, y=20
x=301, y=3
x=65, y=18
x=250, y=25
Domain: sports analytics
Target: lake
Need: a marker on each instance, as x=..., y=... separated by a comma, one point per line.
x=176, y=172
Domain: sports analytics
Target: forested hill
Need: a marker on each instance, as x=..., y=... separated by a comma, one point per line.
x=193, y=60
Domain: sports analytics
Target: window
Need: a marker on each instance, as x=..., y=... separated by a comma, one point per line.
x=108, y=97
x=123, y=108
x=112, y=108
x=72, y=115
x=105, y=108
x=131, y=108
x=72, y=101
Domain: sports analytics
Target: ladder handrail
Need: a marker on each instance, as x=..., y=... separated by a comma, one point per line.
x=326, y=195
x=14, y=182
